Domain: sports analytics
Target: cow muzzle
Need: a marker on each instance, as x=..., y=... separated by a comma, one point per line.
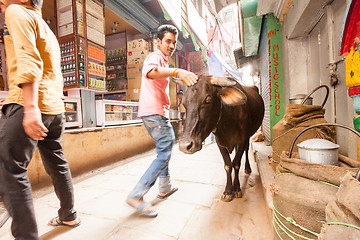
x=189, y=146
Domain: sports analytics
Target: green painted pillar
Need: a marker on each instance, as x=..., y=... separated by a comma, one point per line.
x=276, y=78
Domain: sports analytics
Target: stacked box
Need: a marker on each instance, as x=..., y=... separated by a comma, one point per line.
x=137, y=51
x=138, y=45
x=116, y=96
x=96, y=52
x=134, y=69
x=97, y=84
x=134, y=82
x=134, y=57
x=133, y=72
x=133, y=94
x=96, y=69
x=116, y=54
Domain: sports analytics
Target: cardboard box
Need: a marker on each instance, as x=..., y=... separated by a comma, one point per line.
x=107, y=108
x=136, y=57
x=134, y=75
x=133, y=94
x=134, y=83
x=137, y=45
x=135, y=68
x=70, y=107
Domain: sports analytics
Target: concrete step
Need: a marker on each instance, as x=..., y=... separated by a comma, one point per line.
x=261, y=154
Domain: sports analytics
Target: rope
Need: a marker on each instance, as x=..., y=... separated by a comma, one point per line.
x=296, y=126
x=215, y=128
x=276, y=221
x=343, y=224
x=330, y=184
x=319, y=132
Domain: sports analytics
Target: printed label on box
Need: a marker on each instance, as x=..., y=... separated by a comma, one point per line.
x=137, y=56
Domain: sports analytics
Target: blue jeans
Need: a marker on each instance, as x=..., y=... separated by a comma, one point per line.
x=162, y=132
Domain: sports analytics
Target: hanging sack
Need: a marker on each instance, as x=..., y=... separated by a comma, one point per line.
x=302, y=190
x=298, y=117
x=343, y=213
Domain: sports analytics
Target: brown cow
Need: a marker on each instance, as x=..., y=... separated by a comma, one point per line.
x=232, y=112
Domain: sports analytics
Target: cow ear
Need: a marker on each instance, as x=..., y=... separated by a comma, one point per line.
x=232, y=96
x=178, y=81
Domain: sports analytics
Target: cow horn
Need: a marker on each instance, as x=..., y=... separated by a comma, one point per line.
x=222, y=81
x=179, y=81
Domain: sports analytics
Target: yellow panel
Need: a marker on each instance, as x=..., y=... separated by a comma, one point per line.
x=352, y=69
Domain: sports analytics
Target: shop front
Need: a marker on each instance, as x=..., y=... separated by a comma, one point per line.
x=103, y=48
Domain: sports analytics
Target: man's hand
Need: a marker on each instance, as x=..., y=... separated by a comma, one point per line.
x=33, y=125
x=188, y=77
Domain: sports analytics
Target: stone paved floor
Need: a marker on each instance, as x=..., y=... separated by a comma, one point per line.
x=195, y=212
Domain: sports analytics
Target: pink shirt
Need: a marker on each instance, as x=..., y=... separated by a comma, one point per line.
x=154, y=93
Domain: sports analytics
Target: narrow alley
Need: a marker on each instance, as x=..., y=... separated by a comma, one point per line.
x=195, y=212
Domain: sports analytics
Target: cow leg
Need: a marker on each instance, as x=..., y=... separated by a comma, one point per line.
x=236, y=162
x=228, y=193
x=247, y=164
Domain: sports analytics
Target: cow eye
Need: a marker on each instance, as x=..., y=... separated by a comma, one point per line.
x=208, y=99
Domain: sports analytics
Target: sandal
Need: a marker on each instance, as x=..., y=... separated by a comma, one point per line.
x=168, y=193
x=141, y=207
x=56, y=221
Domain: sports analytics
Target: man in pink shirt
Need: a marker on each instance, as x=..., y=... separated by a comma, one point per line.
x=154, y=105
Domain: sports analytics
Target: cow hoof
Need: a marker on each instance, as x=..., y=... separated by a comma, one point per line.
x=238, y=194
x=247, y=171
x=227, y=197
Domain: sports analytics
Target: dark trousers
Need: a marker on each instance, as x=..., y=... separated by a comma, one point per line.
x=16, y=151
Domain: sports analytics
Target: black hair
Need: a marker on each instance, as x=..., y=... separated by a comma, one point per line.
x=164, y=29
x=36, y=4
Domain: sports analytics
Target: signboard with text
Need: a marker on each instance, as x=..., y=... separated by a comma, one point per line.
x=276, y=77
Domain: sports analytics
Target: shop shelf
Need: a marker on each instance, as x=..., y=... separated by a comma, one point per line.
x=67, y=55
x=97, y=75
x=94, y=8
x=95, y=36
x=95, y=60
x=117, y=91
x=117, y=62
x=98, y=91
x=64, y=8
x=116, y=70
x=118, y=79
x=69, y=73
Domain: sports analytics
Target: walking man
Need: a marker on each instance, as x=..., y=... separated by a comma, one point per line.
x=33, y=115
x=181, y=107
x=154, y=106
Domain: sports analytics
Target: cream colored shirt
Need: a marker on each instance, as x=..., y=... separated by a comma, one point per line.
x=182, y=108
x=32, y=55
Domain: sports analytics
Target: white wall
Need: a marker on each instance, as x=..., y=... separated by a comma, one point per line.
x=306, y=63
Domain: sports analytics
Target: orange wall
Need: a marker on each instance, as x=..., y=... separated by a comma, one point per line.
x=88, y=149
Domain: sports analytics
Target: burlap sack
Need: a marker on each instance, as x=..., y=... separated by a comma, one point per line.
x=301, y=191
x=304, y=201
x=319, y=172
x=344, y=210
x=298, y=117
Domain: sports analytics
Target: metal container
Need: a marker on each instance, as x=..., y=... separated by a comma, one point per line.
x=319, y=151
x=174, y=114
x=299, y=98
